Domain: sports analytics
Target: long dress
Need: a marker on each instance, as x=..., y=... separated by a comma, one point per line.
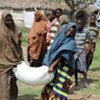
x=10, y=56
x=64, y=47
x=37, y=41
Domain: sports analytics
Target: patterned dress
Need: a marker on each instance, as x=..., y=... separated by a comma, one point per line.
x=59, y=86
x=52, y=30
x=64, y=47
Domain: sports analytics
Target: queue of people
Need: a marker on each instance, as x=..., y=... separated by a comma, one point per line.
x=53, y=41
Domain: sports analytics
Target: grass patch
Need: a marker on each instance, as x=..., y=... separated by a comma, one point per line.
x=27, y=92
x=94, y=73
x=24, y=36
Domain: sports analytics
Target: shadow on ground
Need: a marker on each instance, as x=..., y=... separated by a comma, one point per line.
x=95, y=69
x=81, y=85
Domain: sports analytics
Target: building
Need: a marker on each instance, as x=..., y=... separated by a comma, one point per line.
x=16, y=7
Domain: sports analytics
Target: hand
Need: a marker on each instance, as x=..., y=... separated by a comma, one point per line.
x=67, y=84
x=87, y=48
x=50, y=70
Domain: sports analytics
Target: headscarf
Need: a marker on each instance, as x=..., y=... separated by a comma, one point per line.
x=63, y=45
x=37, y=35
x=63, y=19
x=10, y=52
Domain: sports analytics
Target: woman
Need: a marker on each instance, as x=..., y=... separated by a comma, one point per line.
x=62, y=50
x=37, y=40
x=10, y=56
x=52, y=26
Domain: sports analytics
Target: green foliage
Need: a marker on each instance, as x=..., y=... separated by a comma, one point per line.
x=27, y=92
x=59, y=1
x=24, y=36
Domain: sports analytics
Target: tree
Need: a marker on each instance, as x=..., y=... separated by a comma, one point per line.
x=75, y=5
x=78, y=5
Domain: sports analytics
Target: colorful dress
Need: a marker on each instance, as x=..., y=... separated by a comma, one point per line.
x=65, y=47
x=52, y=30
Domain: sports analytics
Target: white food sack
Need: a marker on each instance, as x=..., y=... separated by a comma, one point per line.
x=32, y=75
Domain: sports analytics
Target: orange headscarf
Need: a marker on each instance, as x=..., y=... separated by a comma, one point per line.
x=37, y=36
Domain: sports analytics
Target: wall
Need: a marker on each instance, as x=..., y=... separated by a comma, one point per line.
x=17, y=16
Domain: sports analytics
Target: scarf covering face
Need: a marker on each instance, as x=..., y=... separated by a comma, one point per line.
x=10, y=52
x=37, y=36
x=63, y=45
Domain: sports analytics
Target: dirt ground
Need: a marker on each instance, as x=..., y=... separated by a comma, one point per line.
x=80, y=96
x=76, y=94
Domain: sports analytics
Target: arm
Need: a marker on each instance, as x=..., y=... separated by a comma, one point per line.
x=88, y=42
x=51, y=69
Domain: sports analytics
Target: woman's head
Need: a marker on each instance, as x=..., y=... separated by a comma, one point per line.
x=63, y=19
x=70, y=32
x=58, y=12
x=69, y=29
x=38, y=16
x=51, y=15
x=8, y=20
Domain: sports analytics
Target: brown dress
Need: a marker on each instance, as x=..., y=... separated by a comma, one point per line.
x=37, y=40
x=10, y=56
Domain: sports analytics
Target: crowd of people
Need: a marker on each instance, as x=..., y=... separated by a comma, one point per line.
x=65, y=46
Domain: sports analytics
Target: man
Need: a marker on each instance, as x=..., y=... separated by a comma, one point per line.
x=94, y=34
x=10, y=56
x=82, y=39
